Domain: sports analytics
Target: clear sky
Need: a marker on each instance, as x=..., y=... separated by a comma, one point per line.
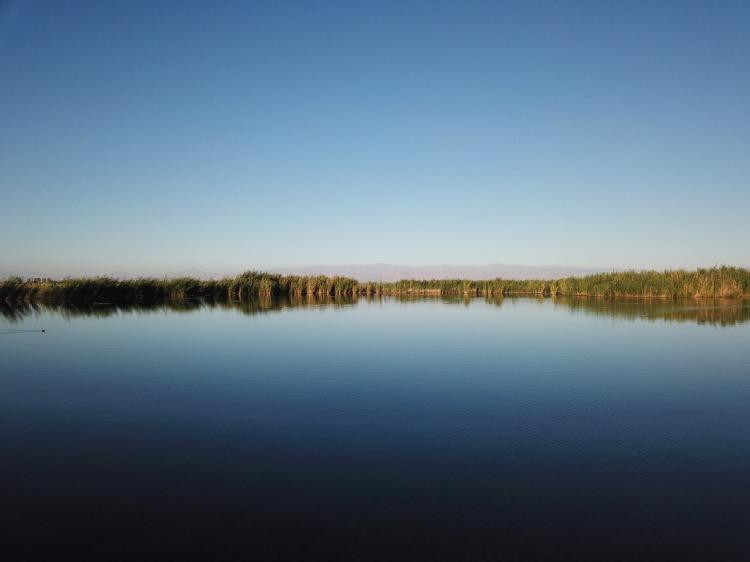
x=157, y=136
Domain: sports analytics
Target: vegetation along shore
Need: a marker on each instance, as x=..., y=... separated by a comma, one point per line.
x=716, y=282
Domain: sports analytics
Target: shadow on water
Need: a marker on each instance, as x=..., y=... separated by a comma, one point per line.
x=715, y=312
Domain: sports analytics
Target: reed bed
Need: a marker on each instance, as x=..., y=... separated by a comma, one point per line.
x=248, y=285
x=716, y=282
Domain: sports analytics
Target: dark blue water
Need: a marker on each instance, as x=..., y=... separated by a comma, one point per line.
x=523, y=429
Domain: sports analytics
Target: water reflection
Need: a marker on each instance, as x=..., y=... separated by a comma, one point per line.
x=718, y=312
x=15, y=312
x=714, y=312
x=526, y=428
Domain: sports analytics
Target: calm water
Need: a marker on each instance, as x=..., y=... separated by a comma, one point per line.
x=523, y=429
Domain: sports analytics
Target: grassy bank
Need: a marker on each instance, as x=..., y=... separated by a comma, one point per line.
x=106, y=289
x=717, y=282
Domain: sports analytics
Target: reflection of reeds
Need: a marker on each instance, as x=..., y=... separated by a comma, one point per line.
x=717, y=282
x=17, y=311
x=719, y=312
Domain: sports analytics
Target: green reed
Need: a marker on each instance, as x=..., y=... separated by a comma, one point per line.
x=716, y=282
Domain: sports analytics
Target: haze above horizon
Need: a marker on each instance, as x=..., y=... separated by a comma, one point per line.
x=151, y=137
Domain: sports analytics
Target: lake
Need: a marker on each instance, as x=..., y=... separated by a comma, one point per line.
x=477, y=429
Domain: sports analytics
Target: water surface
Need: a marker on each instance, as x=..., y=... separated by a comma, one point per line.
x=513, y=429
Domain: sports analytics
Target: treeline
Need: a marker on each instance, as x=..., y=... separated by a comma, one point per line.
x=717, y=282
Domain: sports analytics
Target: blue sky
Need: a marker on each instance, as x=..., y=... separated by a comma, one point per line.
x=158, y=136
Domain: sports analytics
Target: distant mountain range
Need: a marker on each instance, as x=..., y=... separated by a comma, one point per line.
x=195, y=273
x=21, y=274
x=375, y=272
x=387, y=272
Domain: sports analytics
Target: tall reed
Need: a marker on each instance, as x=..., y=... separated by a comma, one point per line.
x=716, y=282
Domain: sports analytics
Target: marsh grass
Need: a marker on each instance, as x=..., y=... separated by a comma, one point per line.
x=716, y=282
x=248, y=285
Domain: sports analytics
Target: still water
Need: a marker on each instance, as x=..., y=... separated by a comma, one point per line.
x=515, y=429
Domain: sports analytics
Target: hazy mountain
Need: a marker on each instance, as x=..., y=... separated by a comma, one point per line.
x=22, y=274
x=196, y=274
x=374, y=272
x=388, y=272
x=191, y=272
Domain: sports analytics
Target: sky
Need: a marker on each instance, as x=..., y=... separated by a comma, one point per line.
x=149, y=137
